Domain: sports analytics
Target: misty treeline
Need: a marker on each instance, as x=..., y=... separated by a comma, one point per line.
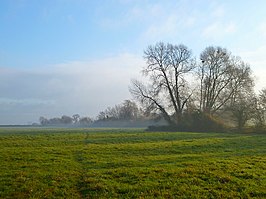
x=209, y=93
x=66, y=120
x=126, y=114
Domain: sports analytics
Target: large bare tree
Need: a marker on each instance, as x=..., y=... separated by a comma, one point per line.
x=167, y=89
x=221, y=77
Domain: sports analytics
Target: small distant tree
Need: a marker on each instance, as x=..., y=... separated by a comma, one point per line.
x=76, y=118
x=110, y=113
x=66, y=119
x=243, y=107
x=43, y=121
x=129, y=110
x=259, y=117
x=102, y=116
x=55, y=121
x=85, y=121
x=262, y=98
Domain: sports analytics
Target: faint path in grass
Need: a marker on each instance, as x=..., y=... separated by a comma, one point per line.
x=80, y=158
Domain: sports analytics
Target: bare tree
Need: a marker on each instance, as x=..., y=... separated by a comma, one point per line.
x=167, y=90
x=129, y=111
x=43, y=121
x=259, y=117
x=76, y=118
x=262, y=97
x=243, y=107
x=66, y=119
x=221, y=76
x=85, y=121
x=102, y=116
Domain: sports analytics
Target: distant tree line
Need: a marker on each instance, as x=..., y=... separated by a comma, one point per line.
x=126, y=114
x=66, y=120
x=211, y=93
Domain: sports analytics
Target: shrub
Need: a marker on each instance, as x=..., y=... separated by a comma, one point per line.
x=202, y=122
x=196, y=121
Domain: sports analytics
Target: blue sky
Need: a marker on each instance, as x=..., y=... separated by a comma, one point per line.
x=78, y=56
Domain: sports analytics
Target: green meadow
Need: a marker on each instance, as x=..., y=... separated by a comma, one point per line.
x=130, y=163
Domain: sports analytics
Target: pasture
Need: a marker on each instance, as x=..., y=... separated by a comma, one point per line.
x=130, y=163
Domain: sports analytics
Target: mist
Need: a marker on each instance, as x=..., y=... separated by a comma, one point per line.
x=85, y=88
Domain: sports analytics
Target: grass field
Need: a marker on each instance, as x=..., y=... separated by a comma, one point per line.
x=130, y=163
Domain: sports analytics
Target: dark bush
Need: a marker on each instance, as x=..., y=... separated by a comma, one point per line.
x=196, y=122
x=201, y=122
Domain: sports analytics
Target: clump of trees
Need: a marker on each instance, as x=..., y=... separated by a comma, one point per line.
x=202, y=94
x=128, y=110
x=126, y=114
x=65, y=120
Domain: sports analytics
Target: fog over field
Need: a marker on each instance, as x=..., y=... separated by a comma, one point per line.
x=78, y=87
x=70, y=57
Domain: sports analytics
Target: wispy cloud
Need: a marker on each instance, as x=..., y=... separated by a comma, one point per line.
x=219, y=30
x=169, y=22
x=155, y=21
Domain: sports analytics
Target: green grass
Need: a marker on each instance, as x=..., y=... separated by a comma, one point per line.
x=130, y=163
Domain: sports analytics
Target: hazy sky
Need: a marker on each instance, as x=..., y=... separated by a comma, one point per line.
x=78, y=56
